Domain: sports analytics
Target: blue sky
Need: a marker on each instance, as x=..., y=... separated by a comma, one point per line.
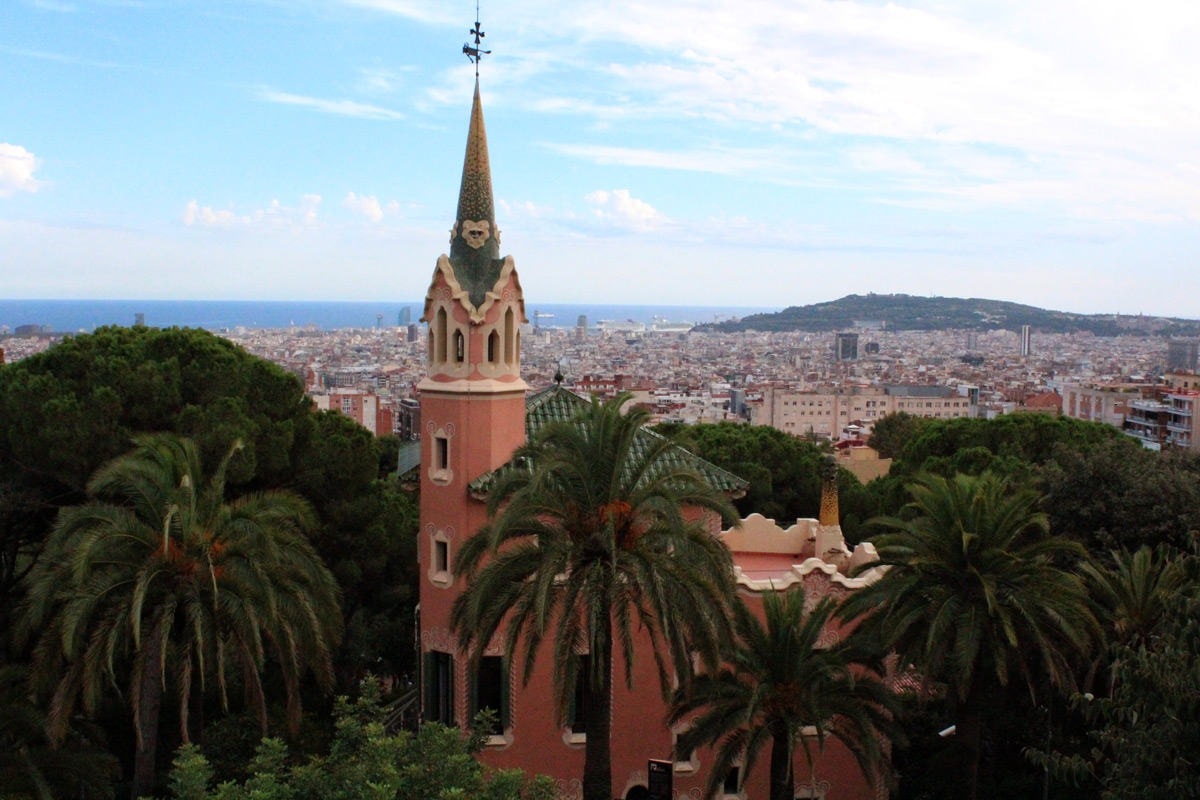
x=758, y=152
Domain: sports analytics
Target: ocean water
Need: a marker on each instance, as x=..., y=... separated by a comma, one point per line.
x=87, y=315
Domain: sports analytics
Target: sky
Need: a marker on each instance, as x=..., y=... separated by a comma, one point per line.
x=692, y=152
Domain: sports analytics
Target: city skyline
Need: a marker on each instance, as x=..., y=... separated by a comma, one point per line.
x=768, y=154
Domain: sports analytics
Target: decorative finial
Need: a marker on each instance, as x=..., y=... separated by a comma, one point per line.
x=558, y=378
x=475, y=53
x=829, y=492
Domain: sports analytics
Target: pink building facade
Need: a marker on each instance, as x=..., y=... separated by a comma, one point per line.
x=475, y=413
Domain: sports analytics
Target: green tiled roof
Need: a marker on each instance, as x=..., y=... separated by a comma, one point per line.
x=560, y=405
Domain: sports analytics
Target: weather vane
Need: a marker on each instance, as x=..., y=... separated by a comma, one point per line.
x=475, y=53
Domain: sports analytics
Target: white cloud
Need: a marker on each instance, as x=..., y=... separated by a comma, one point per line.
x=207, y=217
x=619, y=208
x=368, y=206
x=1103, y=97
x=17, y=166
x=346, y=108
x=274, y=217
x=437, y=13
x=381, y=81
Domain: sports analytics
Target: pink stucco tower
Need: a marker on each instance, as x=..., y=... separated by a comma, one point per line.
x=472, y=408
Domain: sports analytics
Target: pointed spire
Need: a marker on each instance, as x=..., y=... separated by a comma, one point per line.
x=475, y=192
x=475, y=241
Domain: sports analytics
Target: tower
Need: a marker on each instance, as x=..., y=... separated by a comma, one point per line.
x=1026, y=340
x=472, y=409
x=845, y=347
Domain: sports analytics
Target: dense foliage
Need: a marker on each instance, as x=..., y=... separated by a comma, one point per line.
x=365, y=762
x=78, y=405
x=1145, y=723
x=904, y=312
x=158, y=582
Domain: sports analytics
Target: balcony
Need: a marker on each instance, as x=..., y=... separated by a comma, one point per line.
x=1179, y=426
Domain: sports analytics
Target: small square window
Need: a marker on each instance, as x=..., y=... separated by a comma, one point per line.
x=731, y=781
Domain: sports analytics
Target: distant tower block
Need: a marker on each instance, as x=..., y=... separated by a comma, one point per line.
x=845, y=347
x=1026, y=340
x=972, y=341
x=139, y=320
x=414, y=333
x=378, y=321
x=1183, y=355
x=405, y=318
x=581, y=327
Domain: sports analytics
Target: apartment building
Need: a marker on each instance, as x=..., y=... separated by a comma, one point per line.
x=825, y=411
x=1107, y=403
x=366, y=408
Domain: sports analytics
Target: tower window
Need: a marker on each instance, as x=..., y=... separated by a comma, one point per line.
x=439, y=687
x=731, y=781
x=460, y=347
x=440, y=335
x=509, y=330
x=491, y=691
x=441, y=452
x=493, y=347
x=441, y=556
x=577, y=718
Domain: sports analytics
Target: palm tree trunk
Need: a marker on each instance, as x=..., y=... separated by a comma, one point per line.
x=597, y=753
x=782, y=782
x=970, y=725
x=149, y=700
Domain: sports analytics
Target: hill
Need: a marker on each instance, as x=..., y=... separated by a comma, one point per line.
x=904, y=312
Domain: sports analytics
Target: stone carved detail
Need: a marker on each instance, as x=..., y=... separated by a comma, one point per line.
x=691, y=794
x=476, y=233
x=569, y=790
x=496, y=646
x=816, y=789
x=439, y=639
x=447, y=532
x=817, y=586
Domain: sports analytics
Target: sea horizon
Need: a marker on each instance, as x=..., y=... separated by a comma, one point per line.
x=75, y=316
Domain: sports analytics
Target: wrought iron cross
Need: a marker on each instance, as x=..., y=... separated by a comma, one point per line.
x=475, y=53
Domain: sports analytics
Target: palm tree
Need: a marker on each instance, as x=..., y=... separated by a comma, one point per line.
x=779, y=685
x=1134, y=595
x=159, y=578
x=974, y=594
x=587, y=539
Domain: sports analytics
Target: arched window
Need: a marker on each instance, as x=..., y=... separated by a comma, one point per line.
x=517, y=348
x=460, y=347
x=508, y=336
x=493, y=347
x=440, y=334
x=432, y=350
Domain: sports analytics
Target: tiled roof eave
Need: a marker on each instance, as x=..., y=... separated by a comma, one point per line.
x=556, y=404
